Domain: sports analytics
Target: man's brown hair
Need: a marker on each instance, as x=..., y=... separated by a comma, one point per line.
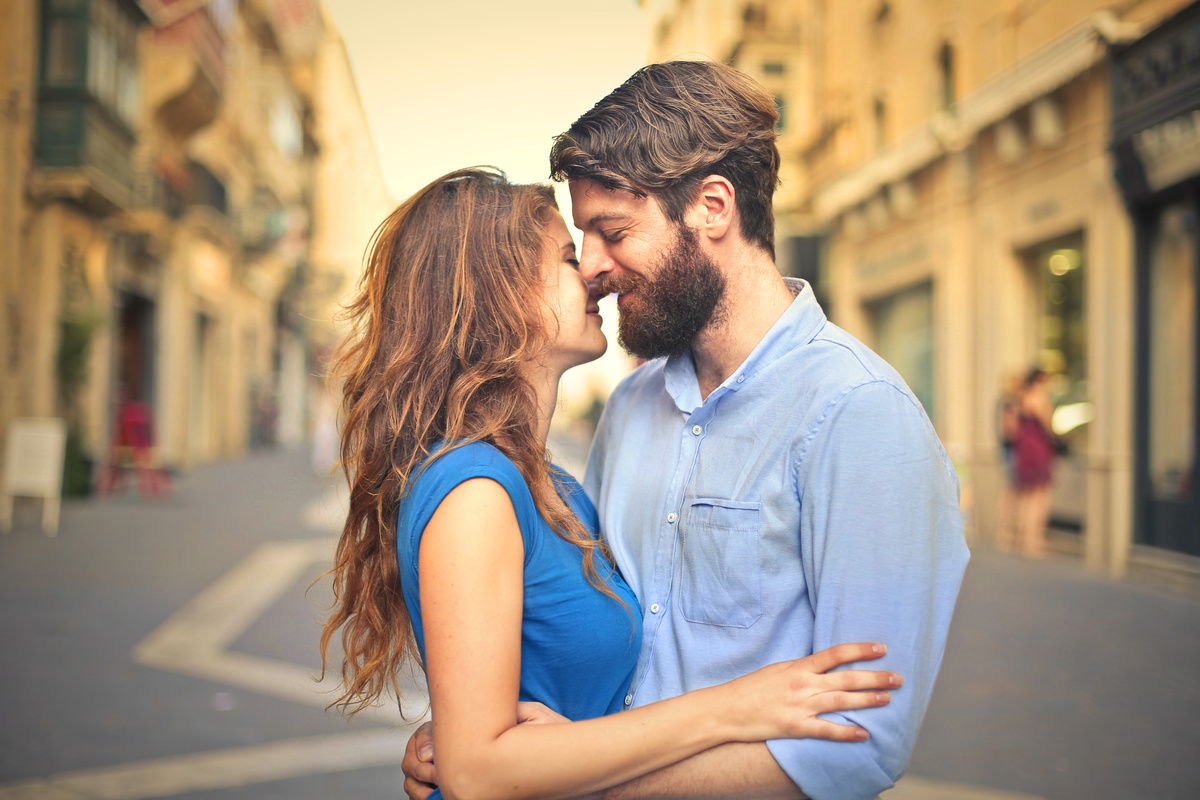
x=671, y=125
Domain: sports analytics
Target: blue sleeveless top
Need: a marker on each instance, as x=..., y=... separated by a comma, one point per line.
x=579, y=647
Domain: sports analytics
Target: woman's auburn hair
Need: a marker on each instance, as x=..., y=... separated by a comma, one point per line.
x=441, y=327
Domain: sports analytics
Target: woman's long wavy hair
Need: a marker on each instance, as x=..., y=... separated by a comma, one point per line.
x=444, y=321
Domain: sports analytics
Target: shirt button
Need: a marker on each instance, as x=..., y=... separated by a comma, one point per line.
x=628, y=699
x=697, y=429
x=671, y=517
x=654, y=608
x=741, y=378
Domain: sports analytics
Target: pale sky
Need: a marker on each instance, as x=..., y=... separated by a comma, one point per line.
x=455, y=83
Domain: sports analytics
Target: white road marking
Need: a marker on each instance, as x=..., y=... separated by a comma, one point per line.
x=221, y=769
x=195, y=639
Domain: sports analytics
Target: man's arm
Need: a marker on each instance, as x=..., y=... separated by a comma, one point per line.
x=882, y=553
x=722, y=773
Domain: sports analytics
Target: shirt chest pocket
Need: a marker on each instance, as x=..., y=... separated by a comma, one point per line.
x=721, y=581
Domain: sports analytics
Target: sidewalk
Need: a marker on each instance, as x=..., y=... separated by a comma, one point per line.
x=234, y=703
x=161, y=649
x=1067, y=685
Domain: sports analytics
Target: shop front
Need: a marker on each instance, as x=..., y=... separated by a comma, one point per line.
x=1156, y=147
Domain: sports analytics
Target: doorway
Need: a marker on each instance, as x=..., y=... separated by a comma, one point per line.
x=1168, y=249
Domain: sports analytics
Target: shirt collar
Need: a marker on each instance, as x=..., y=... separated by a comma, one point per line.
x=797, y=326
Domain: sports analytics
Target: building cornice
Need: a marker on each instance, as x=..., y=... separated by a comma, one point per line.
x=1043, y=71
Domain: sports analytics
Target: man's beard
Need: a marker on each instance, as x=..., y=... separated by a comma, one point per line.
x=668, y=310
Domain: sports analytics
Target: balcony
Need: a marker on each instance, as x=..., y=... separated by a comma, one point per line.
x=184, y=66
x=83, y=155
x=87, y=103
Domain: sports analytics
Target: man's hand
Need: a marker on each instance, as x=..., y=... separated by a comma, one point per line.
x=537, y=714
x=420, y=774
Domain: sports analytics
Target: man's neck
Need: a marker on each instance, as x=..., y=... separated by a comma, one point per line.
x=755, y=299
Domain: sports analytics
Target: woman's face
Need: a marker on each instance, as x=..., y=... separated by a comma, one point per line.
x=573, y=321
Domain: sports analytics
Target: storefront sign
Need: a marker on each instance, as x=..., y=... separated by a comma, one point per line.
x=1046, y=209
x=1155, y=101
x=1170, y=151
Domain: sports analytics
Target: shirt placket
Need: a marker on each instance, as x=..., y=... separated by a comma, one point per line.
x=691, y=437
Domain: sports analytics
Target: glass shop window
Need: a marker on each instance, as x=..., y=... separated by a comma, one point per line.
x=902, y=328
x=1172, y=414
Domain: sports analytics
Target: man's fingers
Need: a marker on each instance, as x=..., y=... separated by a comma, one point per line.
x=417, y=790
x=839, y=654
x=423, y=737
x=422, y=771
x=533, y=712
x=420, y=775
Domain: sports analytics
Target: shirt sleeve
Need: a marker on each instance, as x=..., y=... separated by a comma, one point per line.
x=883, y=555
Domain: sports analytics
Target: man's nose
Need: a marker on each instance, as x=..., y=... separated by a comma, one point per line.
x=592, y=262
x=593, y=289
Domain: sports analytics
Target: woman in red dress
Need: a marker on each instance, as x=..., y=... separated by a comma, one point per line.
x=1034, y=452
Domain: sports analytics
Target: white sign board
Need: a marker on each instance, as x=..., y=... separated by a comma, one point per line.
x=33, y=467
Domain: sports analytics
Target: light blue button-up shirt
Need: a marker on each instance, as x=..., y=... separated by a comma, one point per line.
x=805, y=503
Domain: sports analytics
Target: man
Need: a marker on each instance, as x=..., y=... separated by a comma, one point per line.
x=770, y=487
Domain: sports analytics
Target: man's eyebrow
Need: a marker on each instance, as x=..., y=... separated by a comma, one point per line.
x=599, y=218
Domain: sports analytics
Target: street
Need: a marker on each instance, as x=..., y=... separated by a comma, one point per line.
x=166, y=648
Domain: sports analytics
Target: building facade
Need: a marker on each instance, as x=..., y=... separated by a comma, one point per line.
x=950, y=189
x=168, y=236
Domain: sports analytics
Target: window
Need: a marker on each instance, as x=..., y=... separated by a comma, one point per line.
x=1064, y=323
x=880, y=123
x=93, y=45
x=1172, y=391
x=946, y=76
x=902, y=327
x=285, y=128
x=64, y=52
x=781, y=109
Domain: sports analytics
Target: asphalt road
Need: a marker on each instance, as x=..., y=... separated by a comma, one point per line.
x=165, y=648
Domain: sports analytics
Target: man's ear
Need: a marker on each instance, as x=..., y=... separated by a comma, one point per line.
x=714, y=212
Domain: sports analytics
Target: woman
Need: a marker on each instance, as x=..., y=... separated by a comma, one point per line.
x=464, y=549
x=1034, y=451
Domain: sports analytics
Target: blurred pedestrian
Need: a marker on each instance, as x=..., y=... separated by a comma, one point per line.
x=1034, y=451
x=1008, y=426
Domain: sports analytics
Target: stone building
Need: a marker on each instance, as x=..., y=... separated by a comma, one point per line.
x=166, y=168
x=950, y=188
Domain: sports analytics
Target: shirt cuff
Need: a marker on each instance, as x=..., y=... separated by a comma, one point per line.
x=826, y=770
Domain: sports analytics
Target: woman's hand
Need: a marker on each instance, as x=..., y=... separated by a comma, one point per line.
x=782, y=701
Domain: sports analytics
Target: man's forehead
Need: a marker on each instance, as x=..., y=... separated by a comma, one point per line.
x=592, y=203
